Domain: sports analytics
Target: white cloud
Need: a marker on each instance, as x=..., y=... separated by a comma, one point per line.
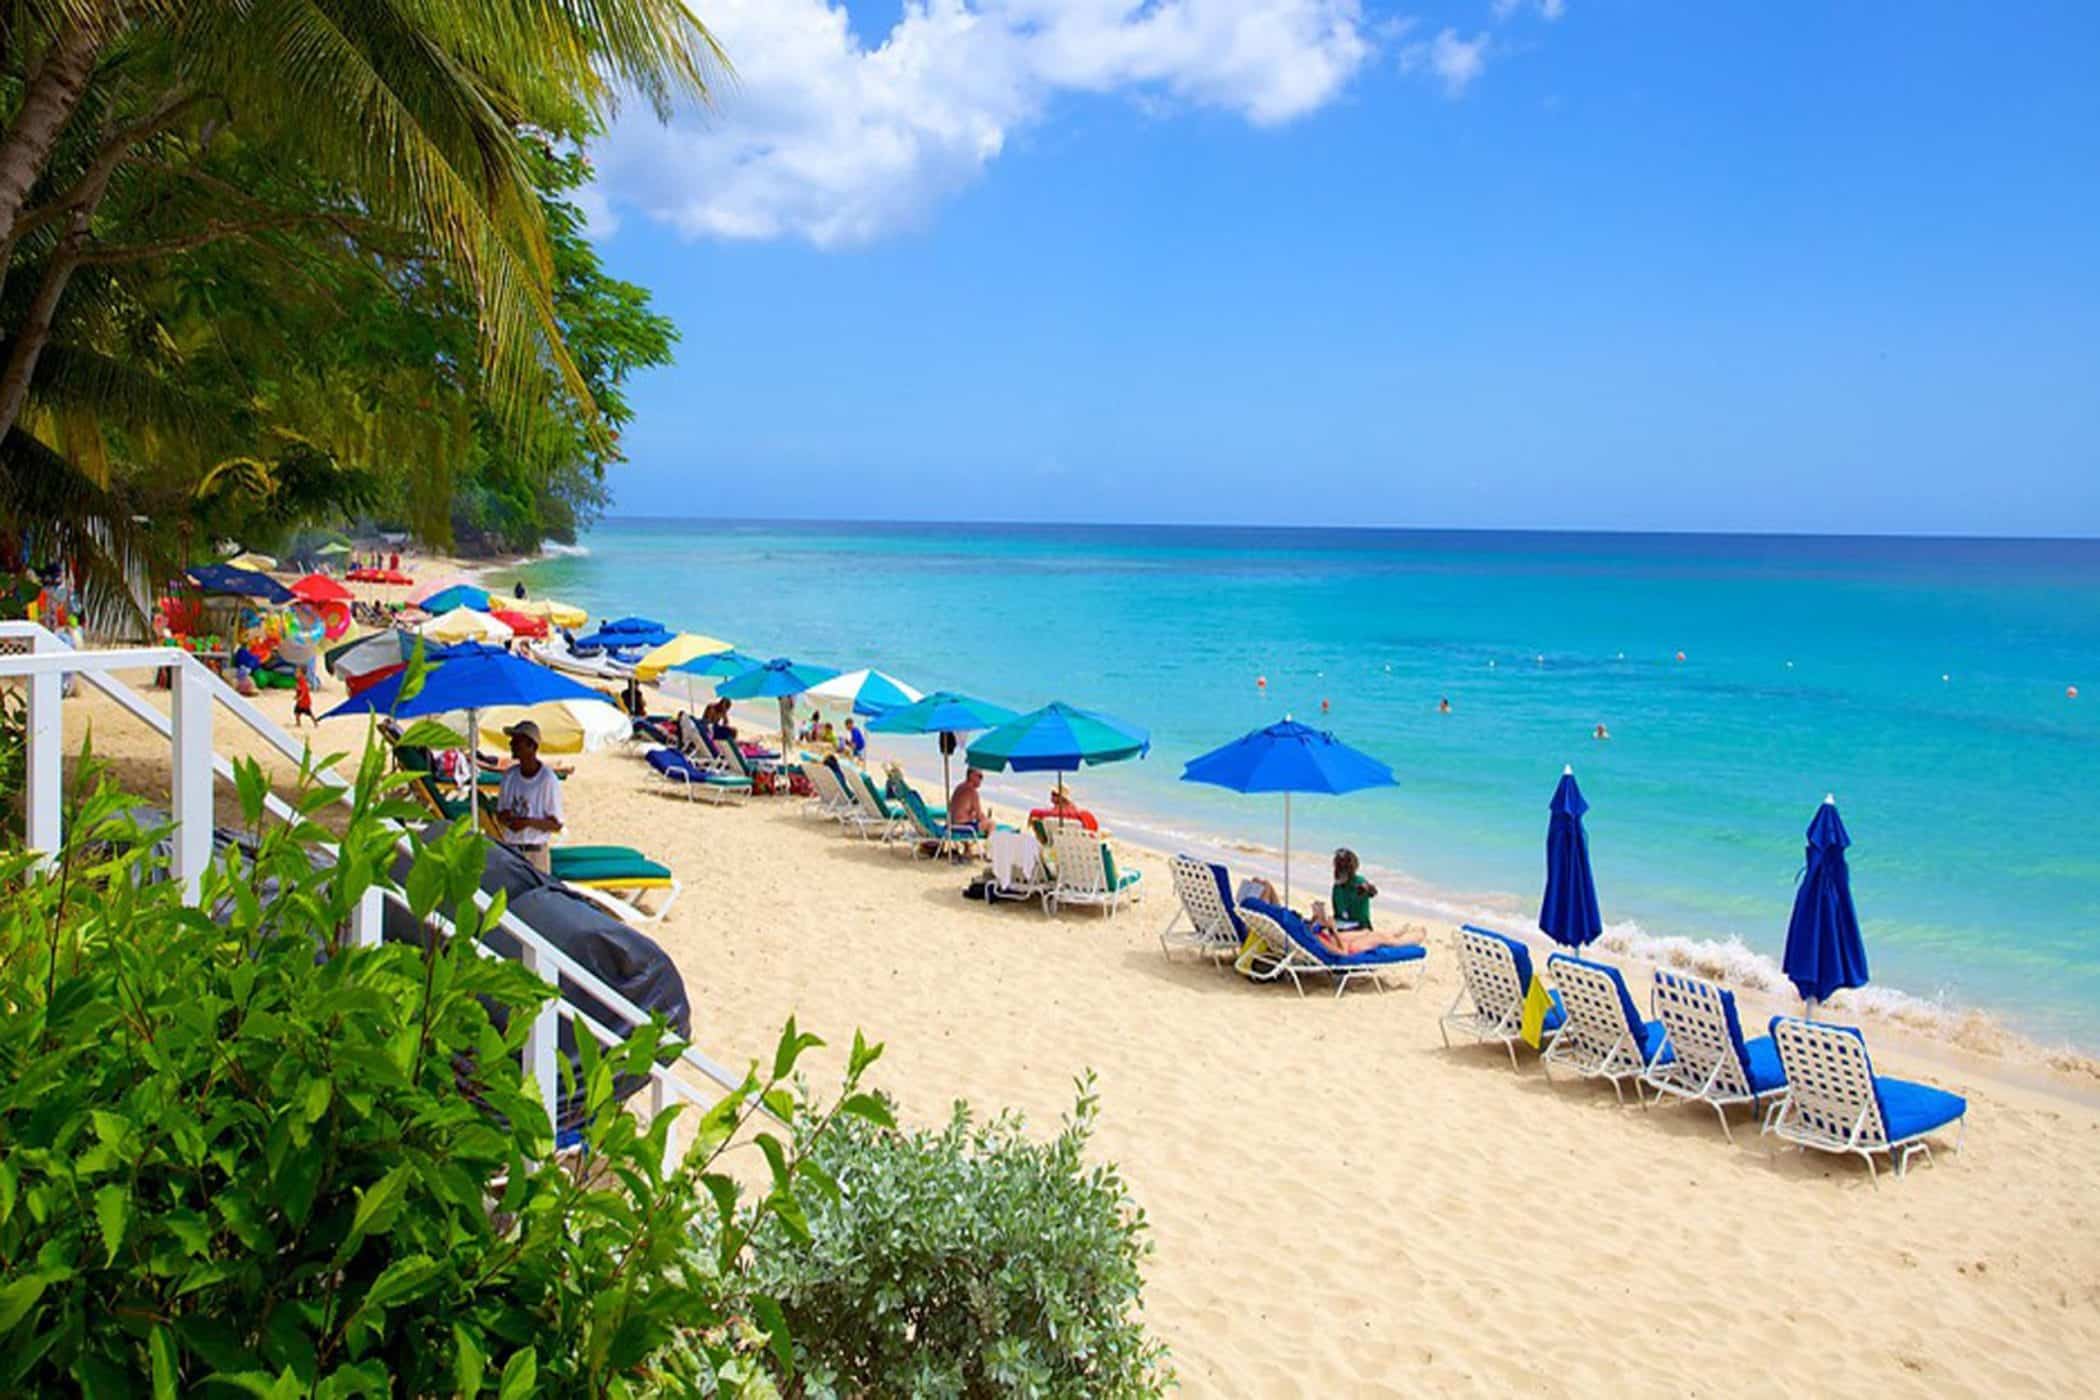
x=1452, y=61
x=823, y=138
x=1549, y=10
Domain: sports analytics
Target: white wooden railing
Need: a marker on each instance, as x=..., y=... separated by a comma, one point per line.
x=198, y=693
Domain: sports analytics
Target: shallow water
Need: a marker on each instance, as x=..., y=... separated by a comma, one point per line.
x=1923, y=681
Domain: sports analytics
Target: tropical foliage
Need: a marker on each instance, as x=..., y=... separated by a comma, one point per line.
x=264, y=262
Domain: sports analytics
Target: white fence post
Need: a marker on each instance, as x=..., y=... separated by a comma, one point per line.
x=544, y=1039
x=43, y=818
x=368, y=918
x=192, y=795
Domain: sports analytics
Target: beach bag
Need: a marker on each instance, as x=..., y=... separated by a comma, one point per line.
x=762, y=783
x=801, y=786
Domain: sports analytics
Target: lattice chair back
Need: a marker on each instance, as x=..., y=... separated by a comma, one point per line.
x=1490, y=975
x=1695, y=1015
x=1276, y=943
x=1830, y=1082
x=1596, y=1024
x=1197, y=888
x=1080, y=869
x=690, y=739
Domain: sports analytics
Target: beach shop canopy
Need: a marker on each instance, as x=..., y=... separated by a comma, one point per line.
x=225, y=581
x=1288, y=757
x=1568, y=909
x=1824, y=950
x=944, y=713
x=469, y=679
x=465, y=625
x=459, y=595
x=868, y=692
x=683, y=647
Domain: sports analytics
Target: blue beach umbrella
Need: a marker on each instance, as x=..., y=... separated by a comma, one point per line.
x=459, y=595
x=1288, y=757
x=779, y=678
x=1568, y=911
x=227, y=581
x=469, y=677
x=947, y=714
x=1824, y=952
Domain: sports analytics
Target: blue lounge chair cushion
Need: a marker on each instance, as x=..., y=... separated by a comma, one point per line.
x=1232, y=908
x=1647, y=1035
x=1760, y=1059
x=1908, y=1110
x=673, y=763
x=1301, y=933
x=1556, y=1014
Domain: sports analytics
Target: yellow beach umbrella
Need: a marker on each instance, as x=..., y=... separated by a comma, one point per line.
x=558, y=613
x=566, y=726
x=683, y=647
x=465, y=625
x=260, y=563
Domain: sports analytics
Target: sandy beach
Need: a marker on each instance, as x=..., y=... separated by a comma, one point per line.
x=1339, y=1204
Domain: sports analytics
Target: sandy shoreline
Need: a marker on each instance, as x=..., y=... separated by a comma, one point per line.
x=1339, y=1205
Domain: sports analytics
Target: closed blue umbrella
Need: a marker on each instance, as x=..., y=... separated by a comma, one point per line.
x=1824, y=951
x=947, y=714
x=1288, y=757
x=469, y=677
x=779, y=678
x=228, y=581
x=1568, y=911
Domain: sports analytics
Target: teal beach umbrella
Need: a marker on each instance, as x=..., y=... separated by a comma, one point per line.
x=779, y=678
x=1058, y=738
x=944, y=713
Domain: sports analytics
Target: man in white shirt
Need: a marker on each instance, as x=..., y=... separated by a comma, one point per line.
x=528, y=806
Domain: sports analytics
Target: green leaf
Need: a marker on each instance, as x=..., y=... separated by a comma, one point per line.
x=432, y=734
x=863, y=1056
x=469, y=1361
x=792, y=1044
x=870, y=1107
x=112, y=1210
x=397, y=1282
x=776, y=1158
x=519, y=1376
x=160, y=1345
x=18, y=1298
x=775, y=1322
x=249, y=781
x=314, y=1101
x=377, y=1207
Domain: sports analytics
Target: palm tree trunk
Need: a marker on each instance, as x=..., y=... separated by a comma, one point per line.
x=35, y=331
x=55, y=89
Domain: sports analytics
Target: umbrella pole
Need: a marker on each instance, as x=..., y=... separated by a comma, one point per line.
x=1286, y=850
x=474, y=767
x=1809, y=1007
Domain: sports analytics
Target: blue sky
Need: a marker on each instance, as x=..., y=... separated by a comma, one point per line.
x=1566, y=265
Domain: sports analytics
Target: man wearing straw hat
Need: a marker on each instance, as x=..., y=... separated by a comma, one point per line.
x=528, y=806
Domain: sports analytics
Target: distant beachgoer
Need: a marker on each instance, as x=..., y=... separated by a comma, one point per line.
x=1600, y=732
x=1342, y=939
x=855, y=740
x=302, y=699
x=1352, y=892
x=393, y=561
x=1254, y=887
x=966, y=804
x=517, y=590
x=1443, y=706
x=811, y=729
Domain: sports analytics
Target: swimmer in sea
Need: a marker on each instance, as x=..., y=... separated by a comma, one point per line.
x=1600, y=732
x=1443, y=706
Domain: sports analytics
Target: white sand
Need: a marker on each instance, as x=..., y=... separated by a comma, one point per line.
x=1342, y=1206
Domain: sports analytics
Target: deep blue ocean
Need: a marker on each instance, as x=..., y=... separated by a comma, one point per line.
x=1922, y=681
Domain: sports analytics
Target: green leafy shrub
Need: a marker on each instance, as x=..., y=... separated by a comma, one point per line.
x=972, y=1261
x=234, y=1149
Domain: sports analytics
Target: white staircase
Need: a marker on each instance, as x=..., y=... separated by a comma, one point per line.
x=40, y=659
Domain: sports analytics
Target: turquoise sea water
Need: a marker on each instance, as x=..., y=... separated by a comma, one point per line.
x=1811, y=665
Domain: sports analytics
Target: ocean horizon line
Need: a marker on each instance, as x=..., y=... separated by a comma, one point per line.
x=1339, y=530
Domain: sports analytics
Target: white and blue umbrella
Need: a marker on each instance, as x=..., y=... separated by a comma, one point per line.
x=869, y=692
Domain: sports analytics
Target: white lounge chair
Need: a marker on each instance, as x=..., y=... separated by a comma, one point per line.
x=1086, y=871
x=1709, y=1061
x=1205, y=899
x=694, y=777
x=1281, y=944
x=1834, y=1102
x=1494, y=973
x=877, y=817
x=1604, y=1036
x=829, y=798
